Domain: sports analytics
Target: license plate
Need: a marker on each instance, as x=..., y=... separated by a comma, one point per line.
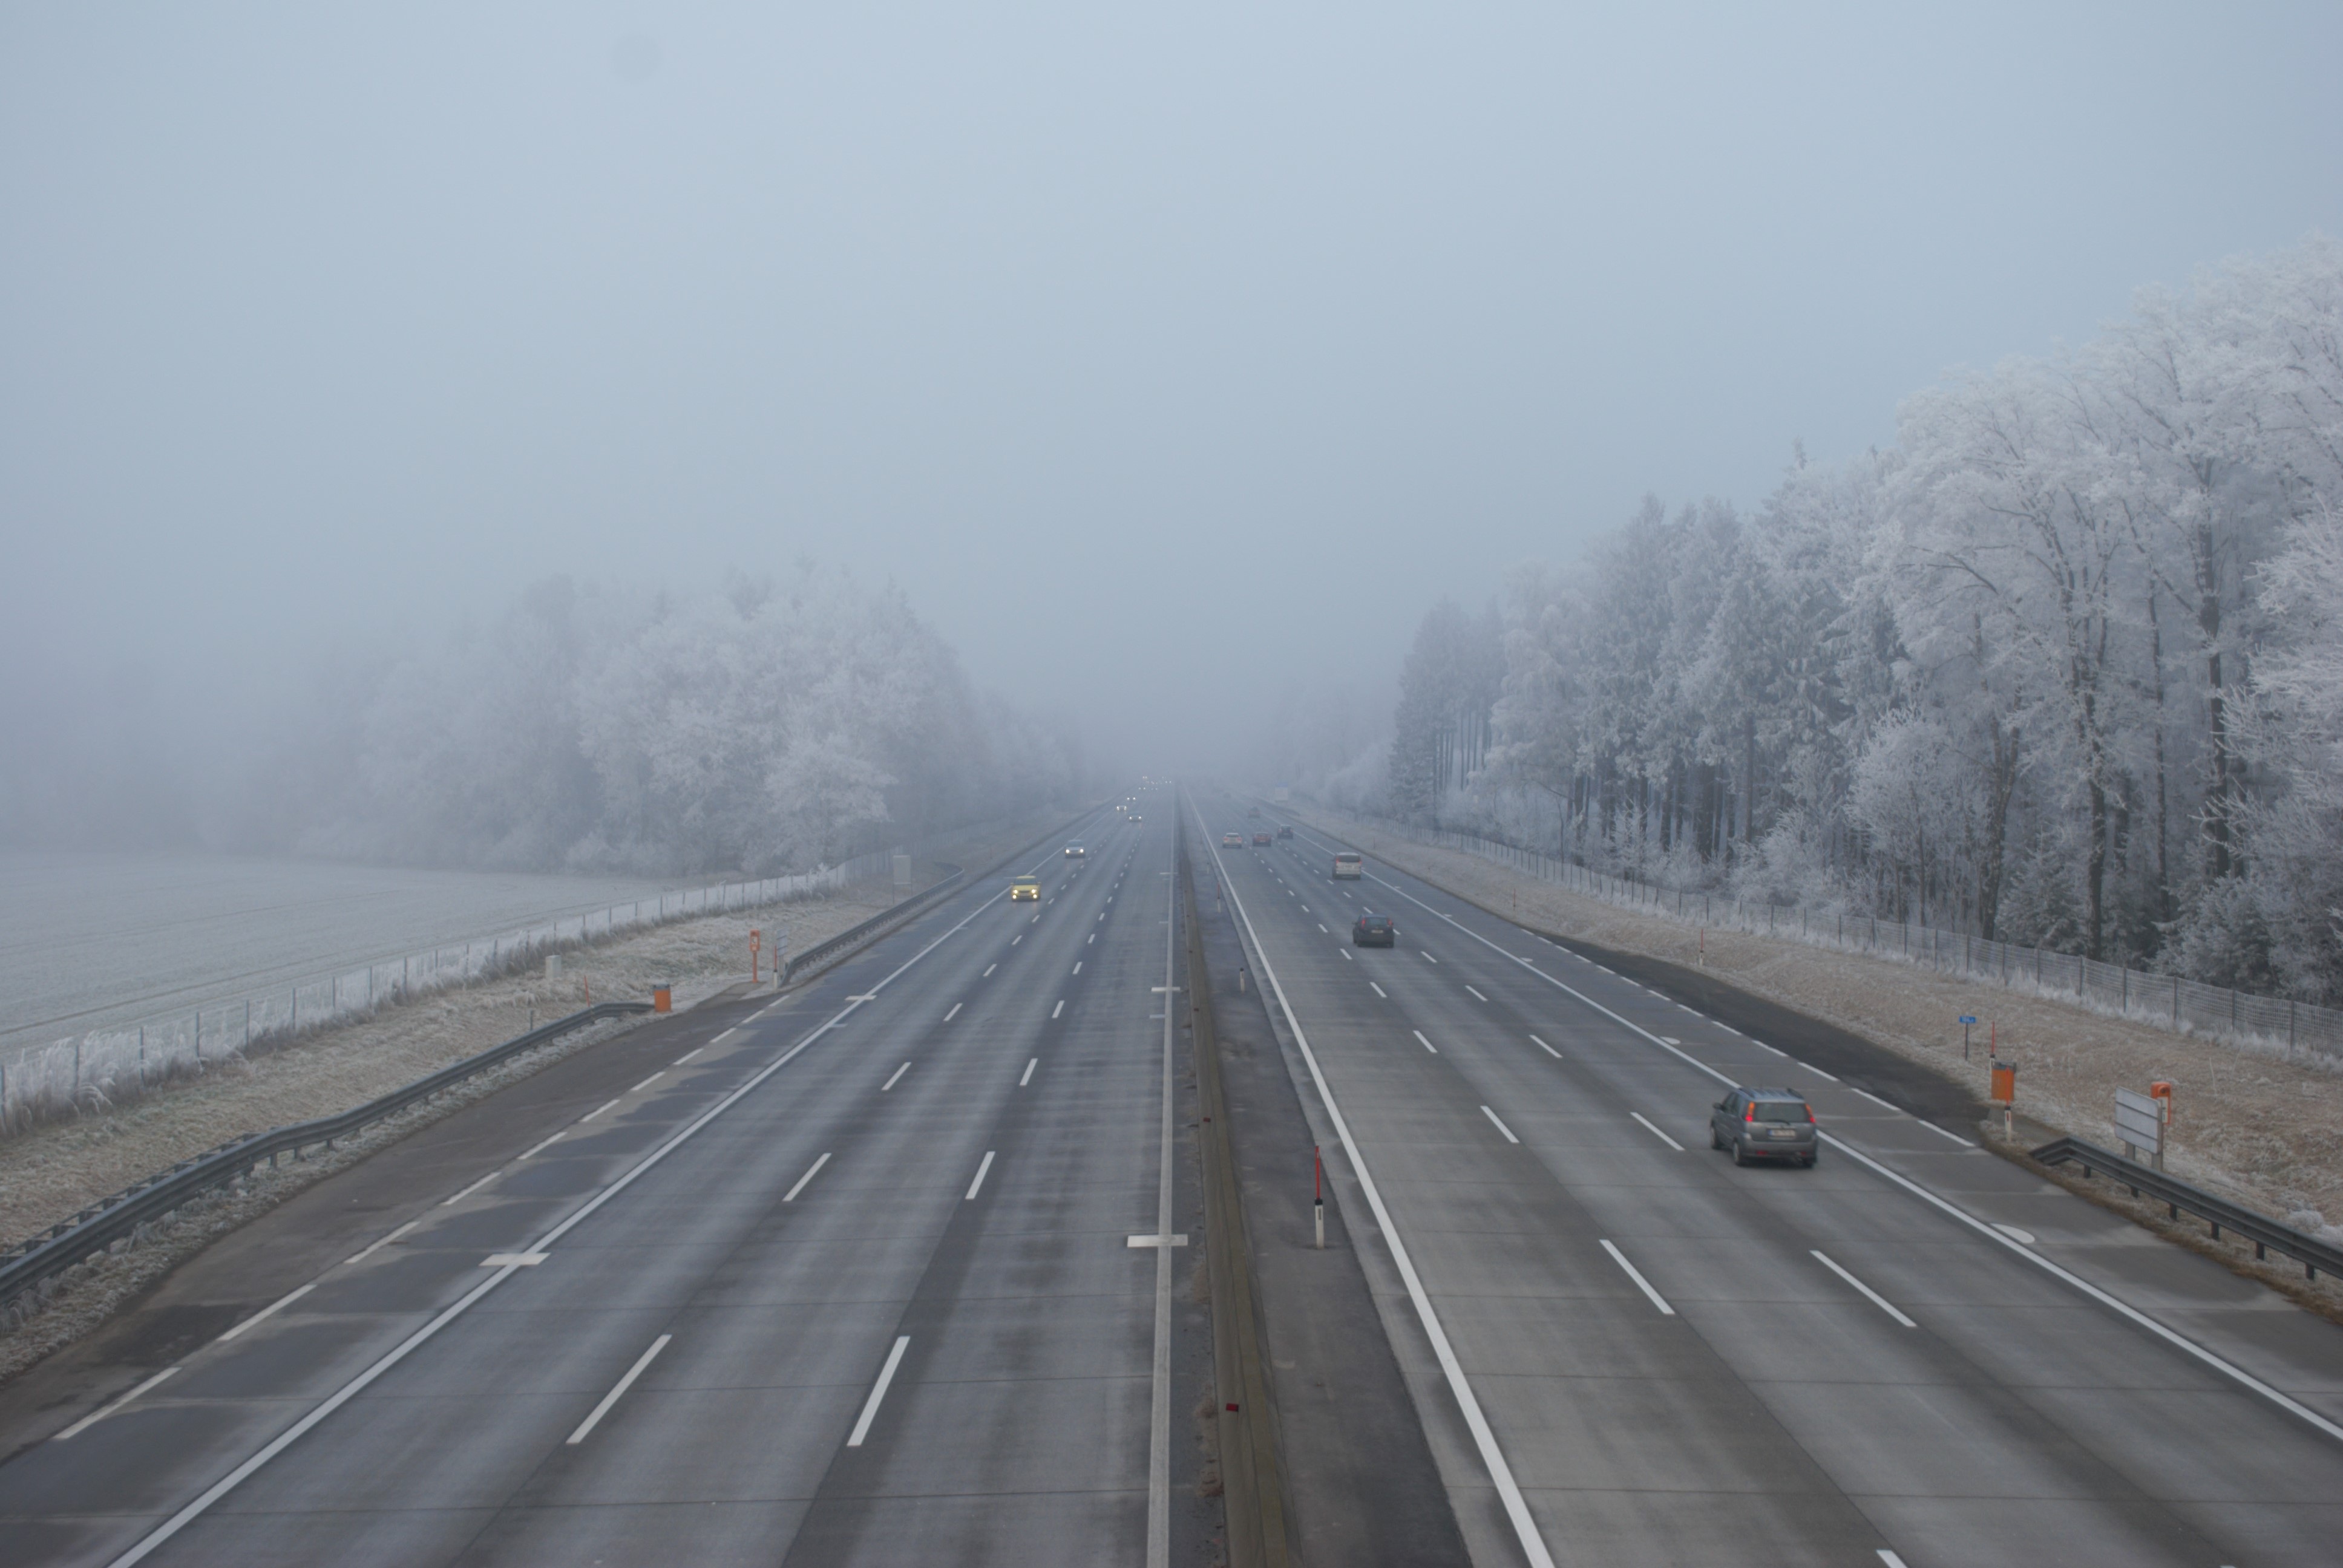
x=1786, y=1133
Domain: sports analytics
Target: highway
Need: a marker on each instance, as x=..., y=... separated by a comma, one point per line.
x=867, y=1276
x=1626, y=1350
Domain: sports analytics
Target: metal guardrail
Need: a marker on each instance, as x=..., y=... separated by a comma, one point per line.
x=2265, y=1234
x=102, y=1223
x=873, y=928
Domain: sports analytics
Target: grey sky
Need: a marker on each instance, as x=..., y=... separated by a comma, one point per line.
x=1165, y=356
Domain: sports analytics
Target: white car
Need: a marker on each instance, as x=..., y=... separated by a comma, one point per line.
x=1074, y=852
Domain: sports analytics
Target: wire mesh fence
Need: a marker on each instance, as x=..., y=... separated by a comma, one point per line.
x=109, y=1066
x=2184, y=1006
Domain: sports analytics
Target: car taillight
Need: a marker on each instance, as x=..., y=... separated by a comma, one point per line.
x=1810, y=1112
x=1750, y=1114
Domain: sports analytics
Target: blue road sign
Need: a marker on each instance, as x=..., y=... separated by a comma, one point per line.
x=1967, y=1020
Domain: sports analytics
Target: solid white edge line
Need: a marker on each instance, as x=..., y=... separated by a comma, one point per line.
x=1642, y=1283
x=370, y=1248
x=878, y=1393
x=2114, y=1304
x=1942, y=1133
x=1810, y=1067
x=1028, y=1077
x=982, y=1166
x=1876, y=1100
x=1544, y=1047
x=1655, y=1132
x=621, y=1386
x=102, y=1412
x=897, y=1074
x=811, y=1172
x=161, y=1532
x=1500, y=1473
x=1871, y=1295
x=1500, y=1125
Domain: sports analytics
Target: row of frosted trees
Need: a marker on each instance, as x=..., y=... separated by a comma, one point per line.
x=2065, y=667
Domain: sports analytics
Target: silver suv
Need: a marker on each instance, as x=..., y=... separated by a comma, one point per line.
x=1765, y=1124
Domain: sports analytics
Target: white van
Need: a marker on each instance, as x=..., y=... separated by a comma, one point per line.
x=1348, y=864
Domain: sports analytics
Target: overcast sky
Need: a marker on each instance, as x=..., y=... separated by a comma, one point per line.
x=1164, y=355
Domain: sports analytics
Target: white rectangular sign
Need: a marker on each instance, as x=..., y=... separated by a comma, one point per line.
x=2139, y=1121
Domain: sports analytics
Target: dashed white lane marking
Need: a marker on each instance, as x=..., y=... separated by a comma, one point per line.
x=2023, y=1238
x=1321, y=927
x=984, y=1166
x=647, y=1082
x=1889, y=1559
x=1642, y=1283
x=1015, y=940
x=1423, y=1042
x=955, y=1011
x=1058, y=1009
x=727, y=1034
x=1427, y=957
x=595, y=1417
x=687, y=1056
x=102, y=1412
x=1476, y=995
x=597, y=1111
x=372, y=1247
x=1810, y=1067
x=1655, y=1132
x=1874, y=1297
x=536, y=1149
x=1942, y=1133
x=269, y=1310
x=1027, y=1076
x=988, y=968
x=879, y=1390
x=1346, y=956
x=1669, y=1039
x=1093, y=938
x=1544, y=1047
x=1500, y=1125
x=897, y=1074
x=811, y=1172
x=1078, y=968
x=451, y=1202
x=1379, y=990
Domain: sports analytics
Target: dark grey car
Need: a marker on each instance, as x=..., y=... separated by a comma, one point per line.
x=1765, y=1124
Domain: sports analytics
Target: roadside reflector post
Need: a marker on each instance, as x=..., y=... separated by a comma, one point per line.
x=662, y=998
x=2161, y=1092
x=1318, y=1193
x=1966, y=1020
x=2004, y=1094
x=756, y=940
x=1241, y=978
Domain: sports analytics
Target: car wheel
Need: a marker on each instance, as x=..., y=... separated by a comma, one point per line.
x=1740, y=1153
x=1716, y=1139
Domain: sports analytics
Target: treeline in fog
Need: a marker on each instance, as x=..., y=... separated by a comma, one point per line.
x=2065, y=667
x=766, y=727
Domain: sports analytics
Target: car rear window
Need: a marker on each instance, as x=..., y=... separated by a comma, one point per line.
x=1783, y=1110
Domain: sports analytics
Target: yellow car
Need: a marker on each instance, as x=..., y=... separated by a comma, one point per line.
x=1025, y=888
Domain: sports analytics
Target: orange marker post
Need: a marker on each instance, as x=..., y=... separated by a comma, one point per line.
x=2004, y=1094
x=756, y=940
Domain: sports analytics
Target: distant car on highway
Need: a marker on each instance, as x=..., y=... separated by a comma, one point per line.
x=1765, y=1124
x=1348, y=865
x=1253, y=811
x=1074, y=852
x=1232, y=840
x=1262, y=839
x=1023, y=888
x=1136, y=819
x=1285, y=832
x=1374, y=931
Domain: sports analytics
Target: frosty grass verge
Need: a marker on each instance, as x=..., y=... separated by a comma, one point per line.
x=2265, y=1131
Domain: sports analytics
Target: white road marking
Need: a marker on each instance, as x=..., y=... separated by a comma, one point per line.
x=1544, y=1047
x=372, y=1247
x=2024, y=1238
x=687, y=1056
x=1015, y=940
x=269, y=1310
x=1942, y=1133
x=102, y=1412
x=727, y=1034
x=990, y=968
x=984, y=1166
x=1078, y=968
x=897, y=1074
x=647, y=1082
x=1427, y=957
x=541, y=1148
x=877, y=1392
x=1178, y=1239
x=515, y=1260
x=1874, y=1297
x=622, y=1385
x=1476, y=995
x=597, y=1111
x=1345, y=952
x=1670, y=1040
x=1875, y=1099
x=1379, y=990
x=1656, y=1132
x=811, y=1172
x=1889, y=1559
x=1027, y=1076
x=955, y=1011
x=1810, y=1067
x=1321, y=927
x=1093, y=937
x=1058, y=1009
x=450, y=1202
x=1642, y=1283
x=1763, y=1046
x=1425, y=1043
x=1501, y=1126
x=1500, y=1473
x=1159, y=1418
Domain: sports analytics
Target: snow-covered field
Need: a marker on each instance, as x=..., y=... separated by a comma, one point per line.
x=90, y=942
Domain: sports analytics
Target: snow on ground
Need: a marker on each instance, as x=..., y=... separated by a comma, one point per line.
x=2264, y=1132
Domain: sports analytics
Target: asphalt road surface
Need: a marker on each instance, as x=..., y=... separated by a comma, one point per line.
x=1626, y=1350
x=867, y=1277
